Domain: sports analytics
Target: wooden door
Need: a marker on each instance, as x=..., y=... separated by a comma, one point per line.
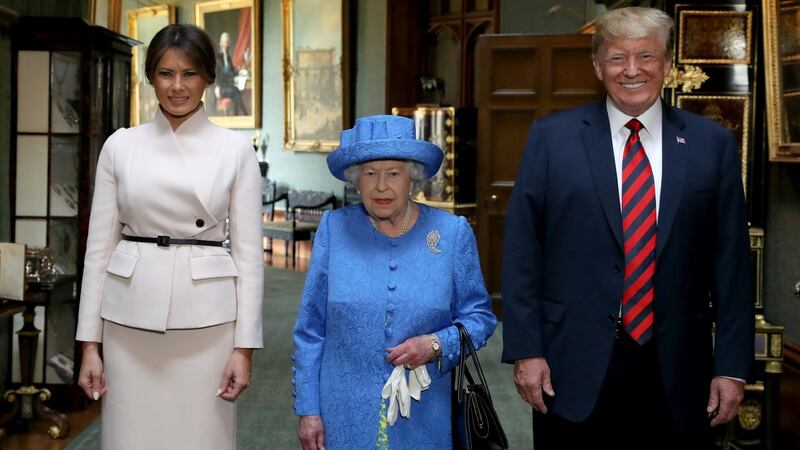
x=520, y=78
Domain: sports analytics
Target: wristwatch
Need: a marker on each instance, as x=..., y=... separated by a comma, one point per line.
x=437, y=349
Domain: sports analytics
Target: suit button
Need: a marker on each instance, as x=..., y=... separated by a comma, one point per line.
x=199, y=223
x=612, y=320
x=617, y=269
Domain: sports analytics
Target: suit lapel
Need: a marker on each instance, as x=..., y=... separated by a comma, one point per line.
x=596, y=135
x=675, y=148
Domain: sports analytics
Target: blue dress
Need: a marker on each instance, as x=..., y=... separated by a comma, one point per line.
x=366, y=292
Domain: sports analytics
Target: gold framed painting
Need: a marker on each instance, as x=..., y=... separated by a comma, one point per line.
x=234, y=100
x=143, y=24
x=731, y=111
x=782, y=78
x=315, y=73
x=105, y=13
x=715, y=37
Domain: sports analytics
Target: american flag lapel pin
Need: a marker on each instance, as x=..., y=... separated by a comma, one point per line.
x=680, y=140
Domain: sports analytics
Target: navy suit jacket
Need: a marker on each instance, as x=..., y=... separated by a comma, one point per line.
x=563, y=261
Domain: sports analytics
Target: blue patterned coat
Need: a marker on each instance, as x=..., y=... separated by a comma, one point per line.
x=366, y=292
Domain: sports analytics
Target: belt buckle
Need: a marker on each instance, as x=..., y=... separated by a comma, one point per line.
x=162, y=241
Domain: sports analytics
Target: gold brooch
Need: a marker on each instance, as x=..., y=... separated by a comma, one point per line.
x=433, y=241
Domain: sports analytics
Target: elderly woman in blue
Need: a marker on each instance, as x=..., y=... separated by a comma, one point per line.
x=388, y=279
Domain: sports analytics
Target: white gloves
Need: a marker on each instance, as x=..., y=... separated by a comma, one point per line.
x=400, y=392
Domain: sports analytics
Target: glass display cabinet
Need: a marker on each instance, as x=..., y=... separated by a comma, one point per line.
x=70, y=90
x=453, y=130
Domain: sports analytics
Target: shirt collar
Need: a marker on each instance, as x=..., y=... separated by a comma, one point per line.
x=650, y=119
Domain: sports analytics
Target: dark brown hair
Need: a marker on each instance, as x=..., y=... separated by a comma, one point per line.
x=191, y=41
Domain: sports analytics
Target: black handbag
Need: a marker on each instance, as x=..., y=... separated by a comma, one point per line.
x=475, y=422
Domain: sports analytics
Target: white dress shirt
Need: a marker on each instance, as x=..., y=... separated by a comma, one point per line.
x=649, y=136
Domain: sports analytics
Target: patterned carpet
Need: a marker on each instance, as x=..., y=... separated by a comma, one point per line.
x=265, y=416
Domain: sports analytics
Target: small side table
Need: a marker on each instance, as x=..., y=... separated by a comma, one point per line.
x=28, y=400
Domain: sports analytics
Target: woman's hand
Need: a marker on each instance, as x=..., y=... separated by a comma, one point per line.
x=311, y=433
x=414, y=352
x=91, y=378
x=236, y=377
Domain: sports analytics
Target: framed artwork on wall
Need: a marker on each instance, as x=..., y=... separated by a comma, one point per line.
x=234, y=100
x=143, y=24
x=782, y=73
x=715, y=37
x=105, y=13
x=731, y=111
x=315, y=68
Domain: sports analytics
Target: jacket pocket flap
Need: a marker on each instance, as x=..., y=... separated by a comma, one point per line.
x=122, y=264
x=553, y=312
x=216, y=266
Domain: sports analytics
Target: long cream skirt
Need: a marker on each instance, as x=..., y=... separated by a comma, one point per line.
x=162, y=386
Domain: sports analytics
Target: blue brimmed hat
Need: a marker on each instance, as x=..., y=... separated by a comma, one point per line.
x=383, y=137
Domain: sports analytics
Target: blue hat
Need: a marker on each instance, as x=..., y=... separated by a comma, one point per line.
x=383, y=137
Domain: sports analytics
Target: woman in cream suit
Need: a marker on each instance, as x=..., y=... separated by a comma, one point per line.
x=177, y=314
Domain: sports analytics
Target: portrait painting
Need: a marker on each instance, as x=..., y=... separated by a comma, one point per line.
x=234, y=100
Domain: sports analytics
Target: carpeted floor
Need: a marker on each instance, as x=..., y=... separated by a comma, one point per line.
x=265, y=416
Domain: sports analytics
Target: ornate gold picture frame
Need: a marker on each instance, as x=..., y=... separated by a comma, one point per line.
x=782, y=70
x=234, y=100
x=143, y=24
x=315, y=73
x=715, y=37
x=731, y=111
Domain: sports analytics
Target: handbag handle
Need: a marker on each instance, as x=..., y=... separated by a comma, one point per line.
x=466, y=344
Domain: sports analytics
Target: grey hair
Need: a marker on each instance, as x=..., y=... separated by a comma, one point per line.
x=633, y=23
x=416, y=171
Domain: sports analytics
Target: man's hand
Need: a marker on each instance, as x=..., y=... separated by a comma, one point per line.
x=723, y=403
x=312, y=433
x=532, y=376
x=236, y=376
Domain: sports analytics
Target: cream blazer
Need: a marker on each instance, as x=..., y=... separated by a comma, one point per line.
x=152, y=181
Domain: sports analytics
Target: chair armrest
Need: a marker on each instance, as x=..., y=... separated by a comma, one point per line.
x=328, y=201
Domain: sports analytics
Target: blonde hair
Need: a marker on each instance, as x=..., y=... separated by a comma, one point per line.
x=633, y=23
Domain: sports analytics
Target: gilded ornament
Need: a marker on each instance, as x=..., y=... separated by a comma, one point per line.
x=750, y=414
x=54, y=431
x=691, y=78
x=775, y=345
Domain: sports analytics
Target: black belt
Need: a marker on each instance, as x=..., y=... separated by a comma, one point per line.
x=166, y=241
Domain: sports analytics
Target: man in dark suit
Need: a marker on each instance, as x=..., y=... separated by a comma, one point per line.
x=225, y=85
x=626, y=218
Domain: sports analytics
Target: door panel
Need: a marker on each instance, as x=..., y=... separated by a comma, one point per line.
x=519, y=79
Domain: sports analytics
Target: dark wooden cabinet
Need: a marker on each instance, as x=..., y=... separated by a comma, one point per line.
x=435, y=40
x=70, y=90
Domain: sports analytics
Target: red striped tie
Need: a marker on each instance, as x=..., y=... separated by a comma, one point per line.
x=639, y=229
